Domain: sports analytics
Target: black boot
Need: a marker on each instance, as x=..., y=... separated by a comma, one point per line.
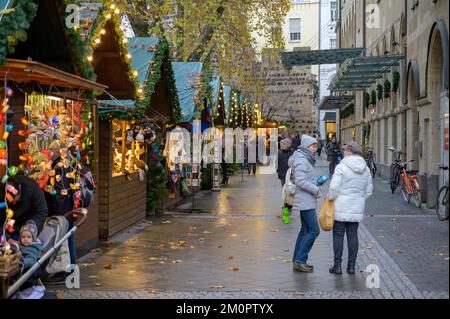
x=351, y=269
x=336, y=269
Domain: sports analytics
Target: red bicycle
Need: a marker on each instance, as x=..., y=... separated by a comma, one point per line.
x=409, y=184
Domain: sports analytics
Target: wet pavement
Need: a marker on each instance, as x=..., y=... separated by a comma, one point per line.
x=238, y=248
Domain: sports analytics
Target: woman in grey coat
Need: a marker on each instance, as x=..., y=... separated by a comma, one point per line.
x=305, y=200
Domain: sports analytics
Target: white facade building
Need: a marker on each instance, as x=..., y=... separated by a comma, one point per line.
x=328, y=17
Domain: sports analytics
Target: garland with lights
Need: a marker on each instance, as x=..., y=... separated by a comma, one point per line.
x=13, y=26
x=348, y=111
x=109, y=12
x=161, y=60
x=78, y=49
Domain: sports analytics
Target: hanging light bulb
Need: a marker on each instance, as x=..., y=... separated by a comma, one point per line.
x=90, y=58
x=128, y=56
x=112, y=6
x=117, y=11
x=97, y=40
x=102, y=31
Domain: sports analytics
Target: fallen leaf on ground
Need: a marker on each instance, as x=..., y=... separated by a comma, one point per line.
x=109, y=266
x=131, y=272
x=206, y=232
x=93, y=276
x=220, y=246
x=403, y=274
x=218, y=286
x=201, y=239
x=192, y=247
x=233, y=235
x=230, y=257
x=234, y=268
x=179, y=261
x=59, y=295
x=396, y=210
x=274, y=231
x=166, y=222
x=397, y=250
x=301, y=294
x=87, y=264
x=98, y=284
x=96, y=250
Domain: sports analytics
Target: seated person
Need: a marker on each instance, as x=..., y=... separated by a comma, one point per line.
x=30, y=246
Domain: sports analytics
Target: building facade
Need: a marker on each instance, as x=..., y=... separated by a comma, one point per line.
x=327, y=18
x=414, y=118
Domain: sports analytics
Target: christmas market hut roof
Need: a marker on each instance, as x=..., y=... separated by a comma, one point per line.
x=215, y=88
x=150, y=56
x=36, y=30
x=188, y=83
x=100, y=27
x=152, y=59
x=226, y=99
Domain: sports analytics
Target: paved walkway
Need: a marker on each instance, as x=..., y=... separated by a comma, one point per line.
x=238, y=248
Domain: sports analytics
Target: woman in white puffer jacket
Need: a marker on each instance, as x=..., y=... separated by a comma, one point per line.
x=350, y=186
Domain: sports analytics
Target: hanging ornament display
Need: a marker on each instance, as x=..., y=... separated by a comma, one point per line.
x=10, y=191
x=58, y=141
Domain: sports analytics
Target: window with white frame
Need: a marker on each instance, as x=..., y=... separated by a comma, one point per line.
x=333, y=11
x=294, y=29
x=332, y=43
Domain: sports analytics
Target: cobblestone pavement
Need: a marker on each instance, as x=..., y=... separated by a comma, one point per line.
x=240, y=249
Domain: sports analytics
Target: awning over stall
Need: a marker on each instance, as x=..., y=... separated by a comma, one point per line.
x=329, y=117
x=142, y=50
x=335, y=102
x=360, y=73
x=316, y=57
x=27, y=71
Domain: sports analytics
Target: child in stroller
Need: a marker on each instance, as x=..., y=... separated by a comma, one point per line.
x=30, y=247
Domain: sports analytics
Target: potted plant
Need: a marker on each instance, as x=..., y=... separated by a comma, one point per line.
x=387, y=89
x=395, y=83
x=379, y=92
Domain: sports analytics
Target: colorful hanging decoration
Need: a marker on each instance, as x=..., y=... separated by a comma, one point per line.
x=10, y=191
x=58, y=142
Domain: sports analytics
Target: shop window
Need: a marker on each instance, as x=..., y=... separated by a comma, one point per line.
x=58, y=142
x=128, y=148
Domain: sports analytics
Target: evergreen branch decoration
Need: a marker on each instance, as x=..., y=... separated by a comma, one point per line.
x=379, y=92
x=373, y=98
x=387, y=89
x=14, y=26
x=395, y=81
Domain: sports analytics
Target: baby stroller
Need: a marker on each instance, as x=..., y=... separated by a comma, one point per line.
x=54, y=233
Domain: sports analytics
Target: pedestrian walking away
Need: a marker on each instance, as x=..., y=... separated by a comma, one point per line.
x=283, y=158
x=305, y=201
x=350, y=186
x=331, y=150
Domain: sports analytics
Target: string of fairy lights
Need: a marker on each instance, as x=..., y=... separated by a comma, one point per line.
x=111, y=12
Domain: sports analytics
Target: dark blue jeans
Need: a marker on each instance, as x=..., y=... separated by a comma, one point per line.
x=307, y=236
x=339, y=229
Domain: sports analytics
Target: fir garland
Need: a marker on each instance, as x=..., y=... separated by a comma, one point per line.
x=380, y=92
x=14, y=26
x=161, y=60
x=395, y=81
x=373, y=98
x=348, y=111
x=387, y=89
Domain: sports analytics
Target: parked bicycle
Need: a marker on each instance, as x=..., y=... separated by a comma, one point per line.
x=409, y=184
x=442, y=200
x=395, y=170
x=370, y=160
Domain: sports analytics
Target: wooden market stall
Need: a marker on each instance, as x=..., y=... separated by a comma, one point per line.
x=160, y=106
x=121, y=178
x=44, y=63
